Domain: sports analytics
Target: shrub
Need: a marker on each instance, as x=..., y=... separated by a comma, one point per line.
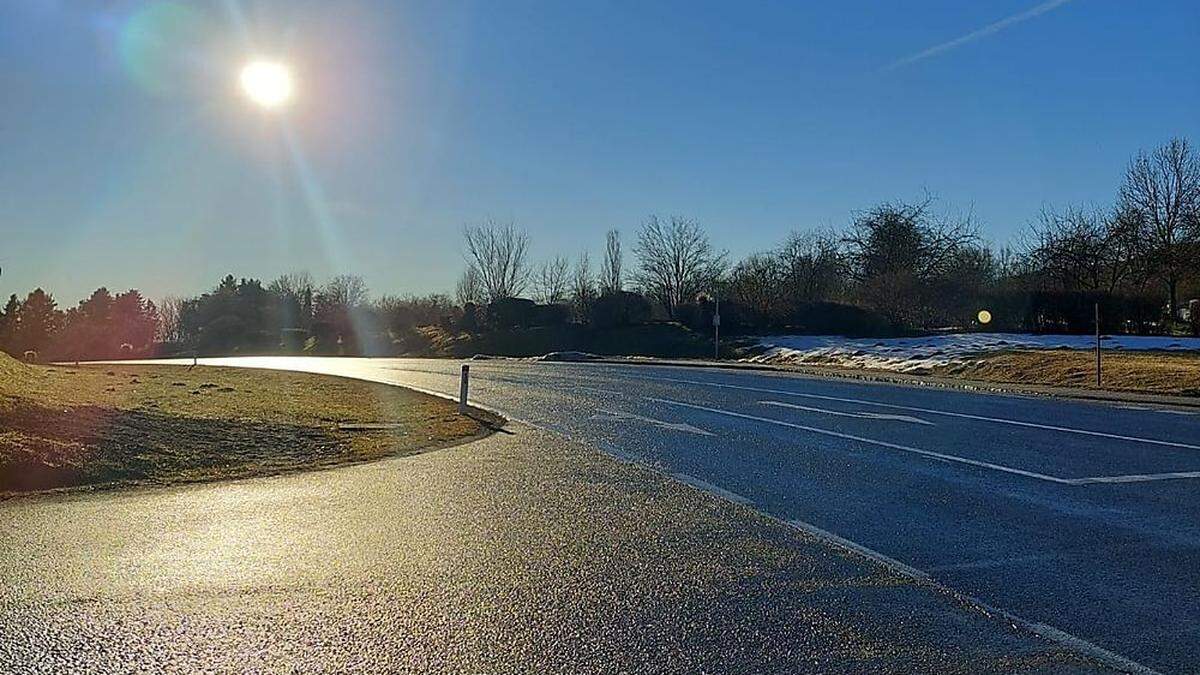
x=620, y=308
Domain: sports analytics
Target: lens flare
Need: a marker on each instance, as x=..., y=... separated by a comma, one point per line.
x=267, y=83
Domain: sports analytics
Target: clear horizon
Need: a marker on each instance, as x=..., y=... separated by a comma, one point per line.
x=132, y=160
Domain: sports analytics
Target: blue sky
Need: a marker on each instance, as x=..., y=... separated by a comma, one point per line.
x=131, y=160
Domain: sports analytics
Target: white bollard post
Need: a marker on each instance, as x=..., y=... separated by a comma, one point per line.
x=462, y=389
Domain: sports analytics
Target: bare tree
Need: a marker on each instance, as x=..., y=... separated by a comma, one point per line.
x=498, y=254
x=675, y=261
x=169, y=309
x=552, y=281
x=903, y=255
x=292, y=284
x=469, y=288
x=906, y=238
x=610, y=268
x=1086, y=249
x=345, y=290
x=756, y=283
x=813, y=266
x=583, y=287
x=1163, y=189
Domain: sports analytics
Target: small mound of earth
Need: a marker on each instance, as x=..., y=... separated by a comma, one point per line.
x=14, y=374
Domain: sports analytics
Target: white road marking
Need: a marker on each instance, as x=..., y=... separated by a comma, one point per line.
x=842, y=413
x=869, y=553
x=1090, y=480
x=872, y=441
x=931, y=411
x=1049, y=632
x=1137, y=477
x=709, y=487
x=261, y=363
x=662, y=424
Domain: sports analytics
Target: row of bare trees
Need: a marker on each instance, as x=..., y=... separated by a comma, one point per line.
x=897, y=266
x=912, y=264
x=1149, y=237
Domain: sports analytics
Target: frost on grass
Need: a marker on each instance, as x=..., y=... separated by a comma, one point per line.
x=62, y=427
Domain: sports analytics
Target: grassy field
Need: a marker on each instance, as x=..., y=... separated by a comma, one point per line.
x=1176, y=373
x=115, y=425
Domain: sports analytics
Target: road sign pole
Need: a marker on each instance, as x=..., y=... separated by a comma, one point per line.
x=717, y=329
x=1098, y=379
x=462, y=389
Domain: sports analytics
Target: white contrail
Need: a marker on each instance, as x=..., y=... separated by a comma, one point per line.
x=976, y=34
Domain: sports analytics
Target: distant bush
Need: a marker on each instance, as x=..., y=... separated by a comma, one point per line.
x=511, y=313
x=836, y=318
x=555, y=314
x=1056, y=311
x=411, y=341
x=620, y=308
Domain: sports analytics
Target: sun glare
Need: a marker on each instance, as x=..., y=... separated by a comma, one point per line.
x=267, y=83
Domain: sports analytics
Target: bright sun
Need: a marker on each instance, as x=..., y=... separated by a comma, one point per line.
x=267, y=83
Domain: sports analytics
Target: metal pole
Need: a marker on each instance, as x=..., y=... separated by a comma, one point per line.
x=1098, y=345
x=462, y=389
x=717, y=329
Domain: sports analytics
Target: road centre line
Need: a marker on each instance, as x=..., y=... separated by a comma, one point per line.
x=930, y=411
x=1089, y=480
x=842, y=413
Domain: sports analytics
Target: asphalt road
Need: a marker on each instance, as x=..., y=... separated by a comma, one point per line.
x=1078, y=515
x=521, y=552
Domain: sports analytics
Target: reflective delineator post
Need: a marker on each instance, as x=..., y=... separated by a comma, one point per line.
x=462, y=389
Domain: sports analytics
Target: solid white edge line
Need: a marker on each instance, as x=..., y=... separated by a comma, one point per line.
x=1046, y=631
x=715, y=489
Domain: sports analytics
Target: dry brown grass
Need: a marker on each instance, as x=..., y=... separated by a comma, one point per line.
x=95, y=425
x=1176, y=373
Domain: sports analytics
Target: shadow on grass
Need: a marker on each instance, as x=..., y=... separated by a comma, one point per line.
x=43, y=448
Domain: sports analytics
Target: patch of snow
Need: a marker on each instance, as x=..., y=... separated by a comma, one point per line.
x=922, y=353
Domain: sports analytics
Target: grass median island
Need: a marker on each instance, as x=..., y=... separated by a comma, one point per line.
x=1159, y=372
x=124, y=424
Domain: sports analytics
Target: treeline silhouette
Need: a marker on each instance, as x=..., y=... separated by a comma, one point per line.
x=897, y=268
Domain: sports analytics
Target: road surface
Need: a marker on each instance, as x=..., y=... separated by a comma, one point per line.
x=521, y=552
x=1079, y=515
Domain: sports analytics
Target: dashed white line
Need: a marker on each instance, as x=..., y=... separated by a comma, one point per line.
x=859, y=415
x=661, y=424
